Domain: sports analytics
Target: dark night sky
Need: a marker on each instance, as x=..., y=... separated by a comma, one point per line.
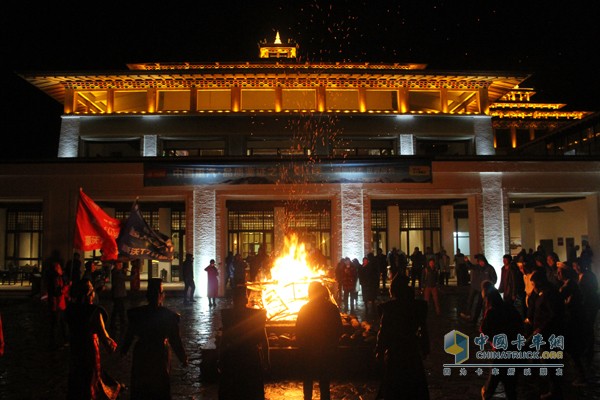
x=557, y=44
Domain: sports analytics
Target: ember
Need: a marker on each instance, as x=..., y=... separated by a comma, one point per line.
x=286, y=290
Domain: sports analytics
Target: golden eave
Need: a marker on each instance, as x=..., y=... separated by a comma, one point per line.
x=333, y=75
x=526, y=114
x=537, y=106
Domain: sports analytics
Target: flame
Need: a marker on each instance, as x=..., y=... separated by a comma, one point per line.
x=286, y=291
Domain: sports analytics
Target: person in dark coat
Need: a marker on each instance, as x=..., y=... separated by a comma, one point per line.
x=118, y=294
x=189, y=286
x=574, y=320
x=418, y=263
x=318, y=331
x=157, y=331
x=87, y=381
x=398, y=347
x=548, y=319
x=499, y=317
x=243, y=351
x=588, y=286
x=212, y=284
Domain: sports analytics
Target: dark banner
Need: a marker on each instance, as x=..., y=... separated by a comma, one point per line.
x=138, y=240
x=287, y=172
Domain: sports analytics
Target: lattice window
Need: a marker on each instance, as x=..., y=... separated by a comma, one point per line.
x=250, y=220
x=379, y=219
x=309, y=220
x=420, y=219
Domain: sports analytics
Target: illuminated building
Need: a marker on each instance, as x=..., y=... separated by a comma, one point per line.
x=352, y=156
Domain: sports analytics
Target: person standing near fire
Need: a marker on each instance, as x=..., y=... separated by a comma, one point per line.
x=212, y=286
x=349, y=277
x=188, y=279
x=318, y=330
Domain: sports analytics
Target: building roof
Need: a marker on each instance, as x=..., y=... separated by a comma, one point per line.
x=271, y=73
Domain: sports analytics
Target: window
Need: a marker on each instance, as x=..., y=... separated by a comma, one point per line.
x=178, y=240
x=364, y=147
x=313, y=228
x=444, y=147
x=461, y=236
x=24, y=229
x=275, y=147
x=420, y=228
x=112, y=148
x=379, y=230
x=193, y=148
x=248, y=230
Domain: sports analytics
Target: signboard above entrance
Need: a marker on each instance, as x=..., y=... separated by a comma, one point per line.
x=271, y=172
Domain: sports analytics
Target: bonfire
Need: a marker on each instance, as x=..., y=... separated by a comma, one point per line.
x=285, y=291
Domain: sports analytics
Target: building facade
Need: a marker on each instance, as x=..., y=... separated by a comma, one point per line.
x=229, y=157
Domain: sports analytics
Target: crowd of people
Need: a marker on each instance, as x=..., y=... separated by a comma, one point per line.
x=537, y=296
x=534, y=293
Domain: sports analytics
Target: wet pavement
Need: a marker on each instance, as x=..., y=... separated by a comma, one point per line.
x=32, y=369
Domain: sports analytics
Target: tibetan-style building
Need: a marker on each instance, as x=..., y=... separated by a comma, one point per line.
x=228, y=157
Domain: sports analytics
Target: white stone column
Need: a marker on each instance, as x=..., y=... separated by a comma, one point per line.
x=593, y=229
x=494, y=204
x=393, y=227
x=484, y=136
x=527, y=216
x=150, y=146
x=68, y=143
x=407, y=144
x=353, y=242
x=205, y=234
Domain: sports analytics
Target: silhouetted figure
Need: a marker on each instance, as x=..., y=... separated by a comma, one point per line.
x=318, y=331
x=212, y=284
x=418, y=263
x=188, y=279
x=157, y=331
x=118, y=294
x=134, y=282
x=588, y=285
x=243, y=351
x=480, y=271
x=398, y=346
x=462, y=272
x=548, y=319
x=499, y=317
x=57, y=303
x=86, y=324
x=575, y=319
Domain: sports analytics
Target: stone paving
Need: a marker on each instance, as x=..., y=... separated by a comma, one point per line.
x=32, y=369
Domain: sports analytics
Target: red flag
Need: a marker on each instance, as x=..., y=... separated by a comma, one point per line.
x=94, y=229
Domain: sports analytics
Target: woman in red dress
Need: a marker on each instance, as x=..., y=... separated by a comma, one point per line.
x=213, y=283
